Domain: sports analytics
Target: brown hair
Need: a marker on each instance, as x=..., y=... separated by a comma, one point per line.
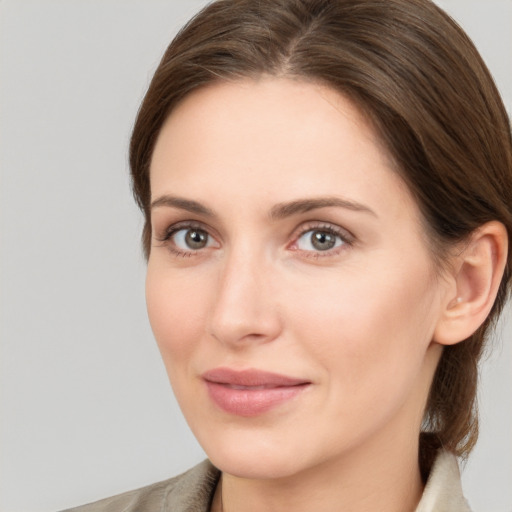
x=422, y=83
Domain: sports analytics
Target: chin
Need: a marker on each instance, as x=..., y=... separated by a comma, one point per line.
x=253, y=455
x=256, y=466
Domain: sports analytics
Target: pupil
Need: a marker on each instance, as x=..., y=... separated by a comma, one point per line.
x=196, y=239
x=322, y=240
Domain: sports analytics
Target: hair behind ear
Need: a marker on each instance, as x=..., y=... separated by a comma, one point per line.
x=451, y=419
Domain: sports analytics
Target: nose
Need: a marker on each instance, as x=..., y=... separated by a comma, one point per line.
x=245, y=307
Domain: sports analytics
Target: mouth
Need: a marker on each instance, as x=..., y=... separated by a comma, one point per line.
x=251, y=392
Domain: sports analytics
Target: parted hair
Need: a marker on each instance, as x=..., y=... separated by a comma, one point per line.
x=417, y=77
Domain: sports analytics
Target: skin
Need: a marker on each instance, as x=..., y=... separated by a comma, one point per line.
x=356, y=320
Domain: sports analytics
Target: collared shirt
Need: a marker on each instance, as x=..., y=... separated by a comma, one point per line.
x=193, y=492
x=443, y=492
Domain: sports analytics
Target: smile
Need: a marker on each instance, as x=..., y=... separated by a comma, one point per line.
x=250, y=392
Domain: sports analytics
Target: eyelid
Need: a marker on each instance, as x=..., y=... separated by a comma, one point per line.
x=165, y=236
x=346, y=236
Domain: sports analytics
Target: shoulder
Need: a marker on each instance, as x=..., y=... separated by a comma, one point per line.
x=443, y=491
x=191, y=491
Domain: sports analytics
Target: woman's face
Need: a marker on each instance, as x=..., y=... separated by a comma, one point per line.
x=290, y=287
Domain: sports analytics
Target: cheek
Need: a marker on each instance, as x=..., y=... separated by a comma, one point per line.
x=369, y=330
x=176, y=314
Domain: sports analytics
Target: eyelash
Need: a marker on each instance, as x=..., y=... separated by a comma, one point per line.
x=165, y=239
x=347, y=239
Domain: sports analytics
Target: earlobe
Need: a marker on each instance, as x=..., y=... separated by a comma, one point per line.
x=477, y=273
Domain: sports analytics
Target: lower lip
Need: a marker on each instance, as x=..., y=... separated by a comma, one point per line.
x=251, y=402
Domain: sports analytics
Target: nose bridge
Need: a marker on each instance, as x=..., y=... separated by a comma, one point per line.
x=244, y=309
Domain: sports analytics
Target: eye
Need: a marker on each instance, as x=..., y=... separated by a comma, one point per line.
x=194, y=239
x=319, y=240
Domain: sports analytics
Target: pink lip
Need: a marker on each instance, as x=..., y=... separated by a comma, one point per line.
x=250, y=392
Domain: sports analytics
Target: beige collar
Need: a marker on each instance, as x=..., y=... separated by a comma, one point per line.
x=443, y=492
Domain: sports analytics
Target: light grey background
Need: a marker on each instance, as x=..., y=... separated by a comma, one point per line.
x=86, y=410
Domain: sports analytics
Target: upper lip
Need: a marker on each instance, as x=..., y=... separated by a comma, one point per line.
x=250, y=378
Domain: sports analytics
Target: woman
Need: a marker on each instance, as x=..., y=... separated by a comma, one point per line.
x=327, y=189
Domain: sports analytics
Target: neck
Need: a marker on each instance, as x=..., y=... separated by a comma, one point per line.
x=389, y=482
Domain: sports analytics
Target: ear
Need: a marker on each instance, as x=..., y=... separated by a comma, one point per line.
x=473, y=281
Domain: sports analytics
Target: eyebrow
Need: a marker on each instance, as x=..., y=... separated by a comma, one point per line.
x=183, y=204
x=282, y=210
x=277, y=212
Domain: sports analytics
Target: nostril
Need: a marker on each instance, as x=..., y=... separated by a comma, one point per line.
x=239, y=335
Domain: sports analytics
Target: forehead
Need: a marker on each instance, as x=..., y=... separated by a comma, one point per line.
x=278, y=137
x=270, y=105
